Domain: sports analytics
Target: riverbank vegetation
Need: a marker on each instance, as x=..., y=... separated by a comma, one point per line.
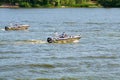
x=60, y=3
x=50, y=3
x=109, y=3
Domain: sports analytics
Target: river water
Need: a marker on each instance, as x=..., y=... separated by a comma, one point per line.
x=25, y=55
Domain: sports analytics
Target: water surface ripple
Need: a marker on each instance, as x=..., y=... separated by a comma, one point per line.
x=25, y=55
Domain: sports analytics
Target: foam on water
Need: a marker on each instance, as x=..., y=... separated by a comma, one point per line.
x=32, y=41
x=2, y=29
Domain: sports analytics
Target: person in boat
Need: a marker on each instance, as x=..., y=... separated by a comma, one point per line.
x=16, y=25
x=63, y=35
x=55, y=35
x=10, y=25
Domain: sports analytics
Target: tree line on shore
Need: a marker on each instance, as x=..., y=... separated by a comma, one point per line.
x=109, y=3
x=62, y=3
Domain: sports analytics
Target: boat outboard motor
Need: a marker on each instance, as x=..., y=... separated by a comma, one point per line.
x=6, y=28
x=49, y=40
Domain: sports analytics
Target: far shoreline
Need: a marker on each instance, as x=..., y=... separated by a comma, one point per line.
x=9, y=6
x=62, y=6
x=50, y=7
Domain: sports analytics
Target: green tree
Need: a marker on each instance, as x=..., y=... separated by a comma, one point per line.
x=109, y=3
x=54, y=3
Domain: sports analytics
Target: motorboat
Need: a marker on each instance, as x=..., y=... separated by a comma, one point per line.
x=17, y=27
x=62, y=40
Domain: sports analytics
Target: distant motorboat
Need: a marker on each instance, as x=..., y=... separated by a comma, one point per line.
x=17, y=27
x=68, y=39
